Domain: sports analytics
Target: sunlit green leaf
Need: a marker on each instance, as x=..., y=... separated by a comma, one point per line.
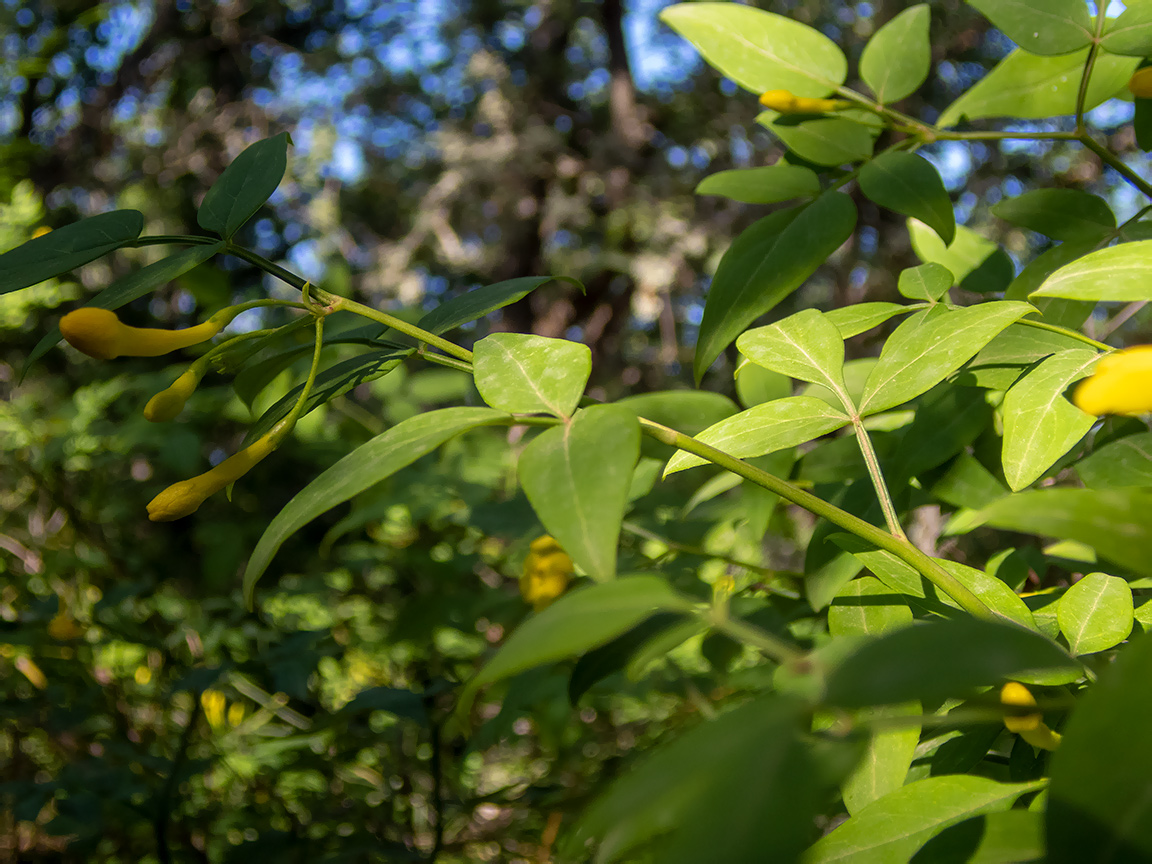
x=1131, y=32
x=244, y=186
x=820, y=140
x=1041, y=26
x=897, y=58
x=910, y=185
x=525, y=374
x=929, y=282
x=1096, y=613
x=766, y=185
x=1116, y=273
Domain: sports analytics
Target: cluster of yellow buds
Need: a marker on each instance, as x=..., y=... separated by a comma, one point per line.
x=1030, y=727
x=1120, y=384
x=214, y=702
x=547, y=570
x=784, y=102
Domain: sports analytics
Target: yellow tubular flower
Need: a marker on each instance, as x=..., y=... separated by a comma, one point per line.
x=547, y=570
x=1030, y=727
x=1120, y=384
x=184, y=498
x=784, y=102
x=213, y=702
x=235, y=714
x=1140, y=84
x=100, y=334
x=167, y=404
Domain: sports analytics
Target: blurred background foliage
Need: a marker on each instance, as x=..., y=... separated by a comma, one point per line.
x=438, y=145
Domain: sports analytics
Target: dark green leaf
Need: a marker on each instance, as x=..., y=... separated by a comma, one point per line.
x=909, y=184
x=244, y=186
x=766, y=185
x=1041, y=26
x=612, y=657
x=897, y=58
x=1004, y=837
x=1062, y=214
x=67, y=248
x=479, y=302
x=525, y=374
x=1126, y=462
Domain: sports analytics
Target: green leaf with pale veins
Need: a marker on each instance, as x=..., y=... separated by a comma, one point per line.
x=960, y=258
x=1096, y=613
x=1041, y=26
x=766, y=185
x=862, y=317
x=1131, y=33
x=525, y=374
x=760, y=50
x=1120, y=273
x=1040, y=425
x=1126, y=462
x=806, y=346
x=927, y=282
x=897, y=58
x=820, y=140
x=244, y=186
x=910, y=185
x=577, y=476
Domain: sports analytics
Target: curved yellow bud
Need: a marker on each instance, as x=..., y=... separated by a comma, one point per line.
x=235, y=714
x=100, y=334
x=1120, y=384
x=547, y=570
x=1140, y=84
x=784, y=102
x=1030, y=727
x=184, y=498
x=167, y=404
x=213, y=702
x=62, y=627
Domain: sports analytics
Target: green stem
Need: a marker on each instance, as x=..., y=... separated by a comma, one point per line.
x=1116, y=164
x=450, y=362
x=171, y=239
x=902, y=549
x=874, y=471
x=1065, y=331
x=1090, y=64
x=285, y=426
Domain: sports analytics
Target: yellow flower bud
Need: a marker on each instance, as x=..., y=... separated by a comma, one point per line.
x=235, y=714
x=1030, y=727
x=62, y=627
x=167, y=404
x=784, y=102
x=143, y=675
x=184, y=498
x=213, y=702
x=1140, y=84
x=547, y=570
x=1120, y=384
x=100, y=334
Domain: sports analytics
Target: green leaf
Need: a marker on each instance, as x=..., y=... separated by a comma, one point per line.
x=947, y=420
x=1004, y=359
x=911, y=185
x=613, y=656
x=756, y=385
x=687, y=411
x=1032, y=87
x=742, y=788
x=1117, y=273
x=132, y=287
x=577, y=622
x=1004, y=837
x=759, y=50
x=244, y=186
x=806, y=346
x=1062, y=214
x=764, y=429
x=1127, y=462
x=577, y=475
x=968, y=484
x=766, y=185
x=1099, y=807
x=1112, y=521
x=525, y=374
x=1131, y=33
x=938, y=659
x=67, y=248
x=862, y=317
x=1095, y=614
x=364, y=467
x=479, y=302
x=927, y=282
x=892, y=829
x=897, y=58
x=963, y=256
x=867, y=607
x=1041, y=26
x=765, y=264
x=1040, y=425
x=820, y=140
x=931, y=345
x=885, y=763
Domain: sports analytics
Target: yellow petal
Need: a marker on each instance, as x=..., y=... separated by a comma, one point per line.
x=1120, y=384
x=184, y=498
x=547, y=571
x=1141, y=83
x=235, y=713
x=100, y=334
x=167, y=404
x=1016, y=694
x=779, y=100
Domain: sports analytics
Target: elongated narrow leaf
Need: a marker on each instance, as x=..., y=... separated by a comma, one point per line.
x=525, y=374
x=939, y=659
x=1127, y=462
x=897, y=58
x=479, y=302
x=361, y=469
x=1062, y=214
x=67, y=248
x=1028, y=86
x=1099, y=809
x=577, y=475
x=884, y=766
x=1117, y=273
x=806, y=346
x=764, y=429
x=821, y=140
x=894, y=827
x=1041, y=26
x=931, y=345
x=910, y=185
x=1040, y=425
x=1131, y=33
x=760, y=50
x=1096, y=613
x=1114, y=522
x=862, y=317
x=927, y=282
x=765, y=264
x=244, y=186
x=766, y=185
x=132, y=287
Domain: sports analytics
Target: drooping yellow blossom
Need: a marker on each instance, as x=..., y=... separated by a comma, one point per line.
x=213, y=702
x=167, y=404
x=1140, y=84
x=784, y=102
x=31, y=671
x=1120, y=384
x=62, y=627
x=100, y=334
x=1030, y=727
x=547, y=570
x=184, y=498
x=235, y=714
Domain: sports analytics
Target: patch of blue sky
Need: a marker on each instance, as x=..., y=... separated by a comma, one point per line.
x=1109, y=115
x=952, y=159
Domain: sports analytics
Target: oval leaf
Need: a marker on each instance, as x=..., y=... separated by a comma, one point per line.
x=577, y=475
x=862, y=317
x=927, y=282
x=1127, y=462
x=1062, y=214
x=884, y=766
x=867, y=607
x=762, y=185
x=806, y=346
x=967, y=252
x=524, y=374
x=1095, y=614
x=821, y=140
x=1117, y=273
x=897, y=58
x=1041, y=26
x=1131, y=33
x=244, y=186
x=909, y=184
